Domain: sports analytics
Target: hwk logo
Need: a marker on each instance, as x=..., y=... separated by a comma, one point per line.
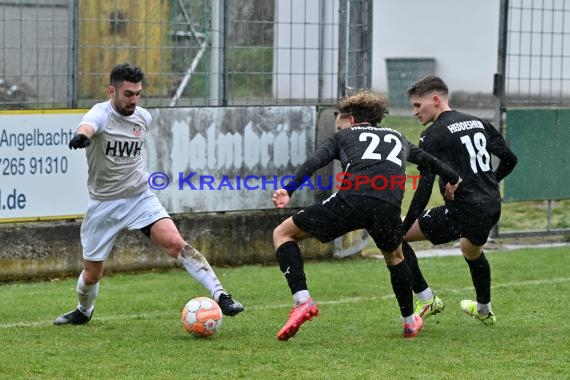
x=123, y=148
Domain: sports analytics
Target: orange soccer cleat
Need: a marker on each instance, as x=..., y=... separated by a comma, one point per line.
x=413, y=329
x=297, y=316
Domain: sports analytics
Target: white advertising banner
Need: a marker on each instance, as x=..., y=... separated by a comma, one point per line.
x=228, y=159
x=199, y=159
x=40, y=178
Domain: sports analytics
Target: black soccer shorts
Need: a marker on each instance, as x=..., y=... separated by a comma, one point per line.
x=339, y=215
x=448, y=223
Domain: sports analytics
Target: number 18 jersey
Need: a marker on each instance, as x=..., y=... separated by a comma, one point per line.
x=466, y=143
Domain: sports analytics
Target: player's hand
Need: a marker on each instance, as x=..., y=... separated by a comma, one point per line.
x=450, y=190
x=280, y=198
x=79, y=141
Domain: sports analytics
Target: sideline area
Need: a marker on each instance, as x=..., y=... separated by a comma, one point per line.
x=426, y=249
x=454, y=251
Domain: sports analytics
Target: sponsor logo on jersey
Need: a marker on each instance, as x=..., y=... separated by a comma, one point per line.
x=137, y=131
x=119, y=148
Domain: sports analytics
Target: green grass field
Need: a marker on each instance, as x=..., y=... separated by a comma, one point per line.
x=136, y=330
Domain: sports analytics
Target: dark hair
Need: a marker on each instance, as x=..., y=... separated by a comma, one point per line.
x=364, y=106
x=426, y=85
x=125, y=72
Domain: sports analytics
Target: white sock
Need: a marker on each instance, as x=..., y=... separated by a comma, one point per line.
x=425, y=295
x=409, y=319
x=86, y=295
x=300, y=297
x=198, y=267
x=484, y=308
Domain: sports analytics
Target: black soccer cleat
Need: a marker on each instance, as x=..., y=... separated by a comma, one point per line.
x=229, y=306
x=75, y=317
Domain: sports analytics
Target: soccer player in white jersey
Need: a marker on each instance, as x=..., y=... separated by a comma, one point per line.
x=112, y=134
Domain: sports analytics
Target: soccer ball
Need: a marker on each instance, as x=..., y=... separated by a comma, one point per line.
x=202, y=317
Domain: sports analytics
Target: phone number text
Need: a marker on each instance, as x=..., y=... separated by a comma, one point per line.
x=33, y=165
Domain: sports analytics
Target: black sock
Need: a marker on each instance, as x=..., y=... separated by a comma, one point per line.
x=291, y=265
x=402, y=285
x=481, y=276
x=419, y=284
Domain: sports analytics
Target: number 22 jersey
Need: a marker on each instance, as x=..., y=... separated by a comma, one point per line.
x=373, y=160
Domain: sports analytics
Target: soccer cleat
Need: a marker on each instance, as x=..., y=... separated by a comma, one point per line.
x=229, y=306
x=470, y=308
x=75, y=317
x=413, y=329
x=426, y=308
x=297, y=316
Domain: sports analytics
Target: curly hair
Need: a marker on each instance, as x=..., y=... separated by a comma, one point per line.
x=125, y=72
x=365, y=106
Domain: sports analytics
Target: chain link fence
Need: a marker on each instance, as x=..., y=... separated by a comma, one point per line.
x=534, y=53
x=58, y=53
x=532, y=88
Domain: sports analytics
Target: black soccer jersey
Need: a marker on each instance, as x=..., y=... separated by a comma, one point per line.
x=373, y=161
x=466, y=143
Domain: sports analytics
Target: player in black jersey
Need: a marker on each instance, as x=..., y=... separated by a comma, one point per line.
x=373, y=160
x=465, y=143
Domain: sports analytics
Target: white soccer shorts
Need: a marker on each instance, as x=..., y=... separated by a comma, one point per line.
x=104, y=220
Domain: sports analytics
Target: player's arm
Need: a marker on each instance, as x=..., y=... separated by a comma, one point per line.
x=432, y=164
x=420, y=199
x=82, y=137
x=429, y=167
x=322, y=156
x=499, y=148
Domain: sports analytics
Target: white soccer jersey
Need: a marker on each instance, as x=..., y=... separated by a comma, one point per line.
x=116, y=165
